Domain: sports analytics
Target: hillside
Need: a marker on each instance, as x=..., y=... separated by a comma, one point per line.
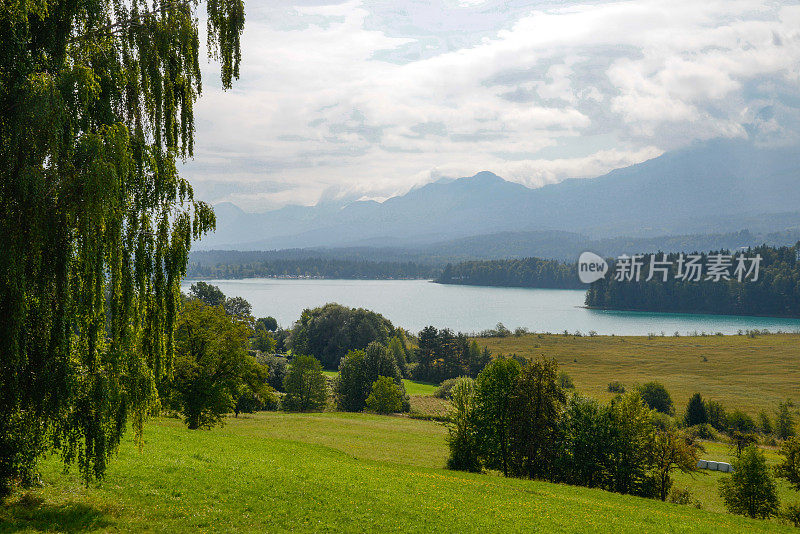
x=748, y=373
x=714, y=187
x=328, y=472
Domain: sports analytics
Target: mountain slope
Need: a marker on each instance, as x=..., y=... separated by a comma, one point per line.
x=718, y=186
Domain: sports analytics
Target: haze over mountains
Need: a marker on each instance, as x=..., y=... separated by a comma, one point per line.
x=718, y=187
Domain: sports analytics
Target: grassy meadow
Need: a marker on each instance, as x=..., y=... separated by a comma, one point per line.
x=328, y=472
x=742, y=372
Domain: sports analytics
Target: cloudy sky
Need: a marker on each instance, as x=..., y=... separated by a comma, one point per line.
x=356, y=100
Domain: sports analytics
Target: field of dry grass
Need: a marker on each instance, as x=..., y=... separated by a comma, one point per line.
x=742, y=372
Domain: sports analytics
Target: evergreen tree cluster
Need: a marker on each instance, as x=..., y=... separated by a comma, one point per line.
x=526, y=272
x=776, y=292
x=314, y=268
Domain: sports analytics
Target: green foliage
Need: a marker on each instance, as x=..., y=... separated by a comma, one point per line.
x=784, y=421
x=526, y=272
x=739, y=421
x=630, y=442
x=494, y=389
x=211, y=361
x=358, y=370
x=331, y=331
x=751, y=489
x=616, y=387
x=305, y=386
x=441, y=354
x=587, y=443
x=775, y=293
x=791, y=514
x=656, y=396
x=263, y=341
x=462, y=438
x=96, y=224
x=789, y=468
x=696, y=411
x=237, y=307
x=765, y=423
x=671, y=449
x=267, y=323
x=386, y=396
x=717, y=417
x=565, y=381
x=207, y=293
x=536, y=405
x=445, y=388
x=276, y=369
x=399, y=352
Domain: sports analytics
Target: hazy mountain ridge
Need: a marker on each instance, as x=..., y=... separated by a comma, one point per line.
x=715, y=187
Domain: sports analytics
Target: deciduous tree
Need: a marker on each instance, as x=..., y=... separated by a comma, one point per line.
x=96, y=106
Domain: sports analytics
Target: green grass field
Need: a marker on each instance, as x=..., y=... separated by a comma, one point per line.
x=742, y=372
x=328, y=472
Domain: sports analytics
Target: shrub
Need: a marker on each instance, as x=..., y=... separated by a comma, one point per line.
x=445, y=388
x=656, y=396
x=462, y=439
x=680, y=496
x=565, y=381
x=789, y=468
x=616, y=387
x=751, y=490
x=738, y=420
x=386, y=396
x=791, y=513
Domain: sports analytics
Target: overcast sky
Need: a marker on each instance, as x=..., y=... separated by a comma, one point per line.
x=367, y=100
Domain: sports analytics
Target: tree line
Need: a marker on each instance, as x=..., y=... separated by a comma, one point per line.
x=517, y=418
x=776, y=292
x=526, y=272
x=314, y=268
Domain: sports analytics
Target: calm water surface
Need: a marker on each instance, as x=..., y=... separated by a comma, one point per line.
x=414, y=304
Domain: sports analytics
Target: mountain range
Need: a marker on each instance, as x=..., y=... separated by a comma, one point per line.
x=717, y=187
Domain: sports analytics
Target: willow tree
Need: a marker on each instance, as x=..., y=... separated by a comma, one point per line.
x=96, y=107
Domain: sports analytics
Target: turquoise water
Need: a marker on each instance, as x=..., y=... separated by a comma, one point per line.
x=414, y=304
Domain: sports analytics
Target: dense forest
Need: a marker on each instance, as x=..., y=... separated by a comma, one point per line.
x=526, y=272
x=776, y=292
x=313, y=268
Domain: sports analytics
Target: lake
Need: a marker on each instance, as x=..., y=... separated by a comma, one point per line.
x=414, y=304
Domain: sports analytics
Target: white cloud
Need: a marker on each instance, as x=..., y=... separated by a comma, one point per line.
x=343, y=99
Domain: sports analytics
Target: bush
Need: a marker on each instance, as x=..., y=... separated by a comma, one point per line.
x=751, y=490
x=656, y=396
x=565, y=381
x=386, y=396
x=616, y=387
x=705, y=431
x=680, y=496
x=445, y=388
x=462, y=439
x=791, y=513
